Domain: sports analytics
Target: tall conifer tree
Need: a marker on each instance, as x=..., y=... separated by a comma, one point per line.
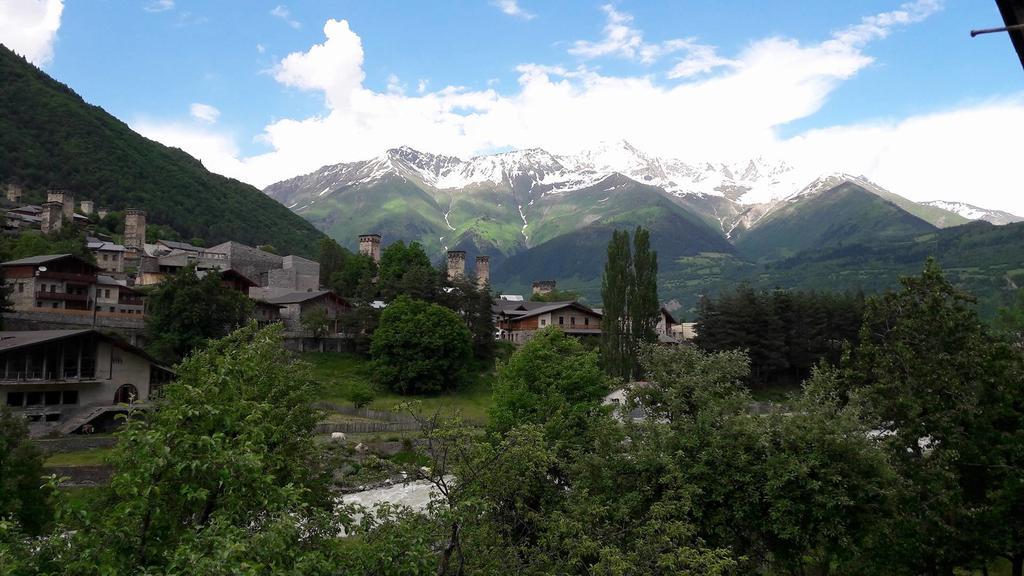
x=615, y=288
x=642, y=301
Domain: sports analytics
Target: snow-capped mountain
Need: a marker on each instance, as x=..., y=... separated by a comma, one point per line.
x=972, y=212
x=755, y=181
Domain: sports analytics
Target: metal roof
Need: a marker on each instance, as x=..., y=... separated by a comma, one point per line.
x=15, y=339
x=1012, y=12
x=33, y=260
x=298, y=297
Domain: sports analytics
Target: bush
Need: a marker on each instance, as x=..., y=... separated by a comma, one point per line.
x=420, y=347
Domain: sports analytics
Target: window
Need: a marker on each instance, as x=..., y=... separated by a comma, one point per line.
x=54, y=305
x=111, y=308
x=561, y=320
x=106, y=292
x=543, y=322
x=572, y=320
x=21, y=287
x=51, y=397
x=70, y=397
x=104, y=257
x=39, y=304
x=53, y=288
x=15, y=399
x=54, y=417
x=586, y=321
x=33, y=398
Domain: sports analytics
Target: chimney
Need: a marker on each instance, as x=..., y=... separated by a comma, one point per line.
x=543, y=287
x=369, y=245
x=14, y=193
x=483, y=271
x=52, y=217
x=456, y=264
x=134, y=229
x=86, y=206
x=67, y=201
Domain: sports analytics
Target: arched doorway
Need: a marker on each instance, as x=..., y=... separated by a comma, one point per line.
x=126, y=394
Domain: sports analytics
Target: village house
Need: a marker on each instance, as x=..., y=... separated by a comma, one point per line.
x=518, y=321
x=109, y=255
x=55, y=281
x=61, y=380
x=665, y=326
x=294, y=307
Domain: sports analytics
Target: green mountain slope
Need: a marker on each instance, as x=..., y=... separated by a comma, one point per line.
x=844, y=215
x=576, y=257
x=50, y=137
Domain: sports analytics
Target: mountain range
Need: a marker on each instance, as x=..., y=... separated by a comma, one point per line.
x=541, y=215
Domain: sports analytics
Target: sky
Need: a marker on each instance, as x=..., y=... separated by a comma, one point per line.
x=263, y=91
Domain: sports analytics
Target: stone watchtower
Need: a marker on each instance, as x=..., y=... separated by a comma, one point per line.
x=456, y=264
x=543, y=287
x=86, y=206
x=52, y=217
x=14, y=193
x=66, y=200
x=369, y=245
x=483, y=271
x=134, y=229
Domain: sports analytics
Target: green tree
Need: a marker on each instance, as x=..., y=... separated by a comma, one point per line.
x=24, y=496
x=642, y=298
x=185, y=311
x=332, y=259
x=556, y=296
x=407, y=270
x=615, y=336
x=221, y=478
x=551, y=381
x=420, y=347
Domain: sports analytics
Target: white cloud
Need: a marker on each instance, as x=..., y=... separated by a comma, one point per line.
x=159, y=6
x=29, y=27
x=512, y=8
x=261, y=48
x=285, y=14
x=204, y=112
x=733, y=111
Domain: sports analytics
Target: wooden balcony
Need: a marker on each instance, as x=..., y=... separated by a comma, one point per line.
x=67, y=276
x=62, y=296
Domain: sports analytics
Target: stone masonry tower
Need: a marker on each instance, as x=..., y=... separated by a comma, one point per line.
x=543, y=287
x=67, y=201
x=86, y=206
x=134, y=229
x=14, y=193
x=456, y=264
x=483, y=271
x=52, y=217
x=369, y=245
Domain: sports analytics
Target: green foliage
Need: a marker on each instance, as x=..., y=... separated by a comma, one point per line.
x=361, y=394
x=616, y=353
x=551, y=381
x=221, y=478
x=785, y=333
x=67, y=240
x=420, y=347
x=52, y=137
x=629, y=293
x=24, y=495
x=316, y=321
x=473, y=304
x=184, y=311
x=407, y=270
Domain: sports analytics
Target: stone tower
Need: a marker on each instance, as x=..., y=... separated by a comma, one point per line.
x=86, y=206
x=543, y=287
x=483, y=271
x=456, y=264
x=102, y=212
x=134, y=229
x=369, y=245
x=14, y=193
x=67, y=201
x=52, y=217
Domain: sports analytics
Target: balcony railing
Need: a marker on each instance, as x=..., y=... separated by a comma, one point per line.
x=62, y=296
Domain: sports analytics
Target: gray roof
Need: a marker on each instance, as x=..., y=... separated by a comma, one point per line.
x=18, y=339
x=538, y=308
x=297, y=297
x=32, y=260
x=181, y=245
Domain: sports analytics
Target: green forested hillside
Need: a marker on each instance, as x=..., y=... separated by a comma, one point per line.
x=844, y=215
x=50, y=137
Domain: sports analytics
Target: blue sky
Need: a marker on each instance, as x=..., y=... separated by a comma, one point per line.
x=268, y=90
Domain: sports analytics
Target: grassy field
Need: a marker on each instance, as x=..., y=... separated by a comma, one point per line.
x=82, y=458
x=339, y=373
